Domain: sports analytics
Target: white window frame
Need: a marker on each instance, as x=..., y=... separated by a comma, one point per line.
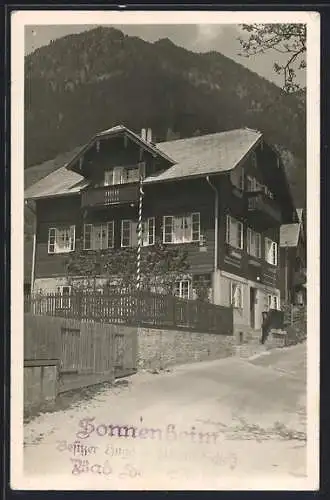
x=54, y=235
x=179, y=287
x=123, y=222
x=230, y=221
x=256, y=251
x=148, y=233
x=135, y=226
x=271, y=252
x=110, y=176
x=173, y=221
x=109, y=227
x=273, y=302
x=255, y=185
x=236, y=294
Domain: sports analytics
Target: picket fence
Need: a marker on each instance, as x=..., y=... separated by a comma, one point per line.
x=136, y=309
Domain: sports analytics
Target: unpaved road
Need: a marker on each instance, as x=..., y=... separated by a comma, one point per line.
x=195, y=427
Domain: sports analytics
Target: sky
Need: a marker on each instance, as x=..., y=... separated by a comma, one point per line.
x=196, y=37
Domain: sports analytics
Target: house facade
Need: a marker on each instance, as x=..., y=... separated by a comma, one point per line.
x=293, y=262
x=221, y=198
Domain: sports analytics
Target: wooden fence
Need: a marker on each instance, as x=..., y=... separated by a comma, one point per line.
x=139, y=309
x=88, y=352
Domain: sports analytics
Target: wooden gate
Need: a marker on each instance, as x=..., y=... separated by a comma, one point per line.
x=70, y=349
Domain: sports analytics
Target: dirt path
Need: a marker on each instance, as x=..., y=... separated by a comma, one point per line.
x=197, y=426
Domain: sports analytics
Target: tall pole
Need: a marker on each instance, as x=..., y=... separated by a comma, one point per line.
x=138, y=268
x=286, y=276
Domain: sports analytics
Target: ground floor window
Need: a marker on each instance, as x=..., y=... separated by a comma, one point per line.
x=182, y=289
x=64, y=299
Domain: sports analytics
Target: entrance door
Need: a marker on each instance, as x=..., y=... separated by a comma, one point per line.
x=253, y=293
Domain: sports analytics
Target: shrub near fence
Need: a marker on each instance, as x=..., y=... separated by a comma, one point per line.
x=143, y=309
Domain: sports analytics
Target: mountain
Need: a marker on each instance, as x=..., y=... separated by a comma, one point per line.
x=83, y=83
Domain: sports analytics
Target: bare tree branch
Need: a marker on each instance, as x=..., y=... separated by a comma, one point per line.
x=287, y=39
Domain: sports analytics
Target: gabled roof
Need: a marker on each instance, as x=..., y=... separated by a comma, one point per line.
x=289, y=235
x=192, y=157
x=206, y=154
x=113, y=131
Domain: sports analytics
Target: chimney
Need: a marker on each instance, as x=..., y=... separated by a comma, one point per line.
x=143, y=134
x=149, y=135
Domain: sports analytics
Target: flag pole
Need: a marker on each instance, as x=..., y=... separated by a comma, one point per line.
x=138, y=268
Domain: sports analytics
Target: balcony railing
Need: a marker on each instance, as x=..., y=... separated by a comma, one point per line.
x=110, y=195
x=260, y=204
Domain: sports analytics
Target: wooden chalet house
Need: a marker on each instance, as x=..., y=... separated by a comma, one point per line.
x=293, y=261
x=222, y=197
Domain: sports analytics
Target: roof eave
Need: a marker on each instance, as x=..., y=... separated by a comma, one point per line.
x=124, y=130
x=47, y=196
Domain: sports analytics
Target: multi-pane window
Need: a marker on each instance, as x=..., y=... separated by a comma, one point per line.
x=271, y=251
x=124, y=175
x=236, y=295
x=273, y=302
x=130, y=232
x=61, y=239
x=181, y=229
x=99, y=236
x=253, y=243
x=254, y=185
x=234, y=232
x=148, y=232
x=182, y=289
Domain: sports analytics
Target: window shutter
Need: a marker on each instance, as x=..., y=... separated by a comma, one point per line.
x=145, y=232
x=168, y=229
x=125, y=233
x=72, y=238
x=240, y=235
x=51, y=240
x=152, y=231
x=88, y=236
x=195, y=227
x=110, y=227
x=186, y=229
x=274, y=253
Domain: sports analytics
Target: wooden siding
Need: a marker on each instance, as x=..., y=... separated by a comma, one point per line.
x=236, y=261
x=185, y=197
x=113, y=153
x=169, y=198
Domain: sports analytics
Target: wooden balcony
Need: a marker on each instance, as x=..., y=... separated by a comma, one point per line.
x=110, y=195
x=263, y=209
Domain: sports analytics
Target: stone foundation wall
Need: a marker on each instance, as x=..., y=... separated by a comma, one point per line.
x=158, y=349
